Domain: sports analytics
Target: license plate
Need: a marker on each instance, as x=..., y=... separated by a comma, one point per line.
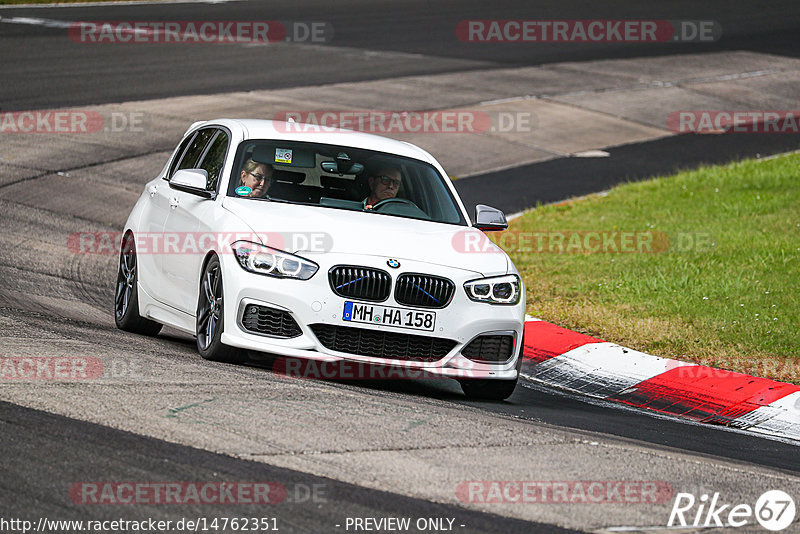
x=356, y=312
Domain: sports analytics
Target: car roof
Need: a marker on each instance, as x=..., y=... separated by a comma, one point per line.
x=290, y=131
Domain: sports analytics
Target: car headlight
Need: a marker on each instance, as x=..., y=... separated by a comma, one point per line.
x=495, y=290
x=269, y=261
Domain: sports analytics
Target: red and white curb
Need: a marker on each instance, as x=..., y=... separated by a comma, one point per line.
x=590, y=366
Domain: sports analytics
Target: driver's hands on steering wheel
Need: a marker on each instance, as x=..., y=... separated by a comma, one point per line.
x=386, y=201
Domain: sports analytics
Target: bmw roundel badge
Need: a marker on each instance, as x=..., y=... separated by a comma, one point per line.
x=394, y=264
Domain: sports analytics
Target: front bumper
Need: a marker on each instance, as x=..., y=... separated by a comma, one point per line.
x=314, y=302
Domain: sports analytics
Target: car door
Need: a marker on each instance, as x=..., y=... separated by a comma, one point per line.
x=149, y=244
x=188, y=225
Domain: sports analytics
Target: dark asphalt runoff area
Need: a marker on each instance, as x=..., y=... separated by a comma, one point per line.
x=514, y=190
x=43, y=68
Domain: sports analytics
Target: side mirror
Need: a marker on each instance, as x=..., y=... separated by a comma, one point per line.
x=489, y=219
x=192, y=181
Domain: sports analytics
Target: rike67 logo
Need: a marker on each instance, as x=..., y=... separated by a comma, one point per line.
x=774, y=510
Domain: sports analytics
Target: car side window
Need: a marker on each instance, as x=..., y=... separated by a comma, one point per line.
x=215, y=159
x=178, y=154
x=193, y=153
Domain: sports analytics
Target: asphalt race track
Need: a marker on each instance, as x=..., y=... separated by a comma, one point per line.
x=374, y=449
x=47, y=443
x=403, y=37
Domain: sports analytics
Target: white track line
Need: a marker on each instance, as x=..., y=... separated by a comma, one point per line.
x=783, y=417
x=34, y=21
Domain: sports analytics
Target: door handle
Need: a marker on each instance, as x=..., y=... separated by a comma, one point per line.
x=173, y=202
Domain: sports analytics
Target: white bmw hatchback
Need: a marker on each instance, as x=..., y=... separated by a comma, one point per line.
x=323, y=245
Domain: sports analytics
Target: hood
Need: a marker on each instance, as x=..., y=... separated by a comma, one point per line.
x=310, y=229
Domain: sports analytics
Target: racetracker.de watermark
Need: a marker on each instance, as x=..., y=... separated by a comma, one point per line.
x=349, y=370
x=60, y=368
x=735, y=121
x=694, y=372
x=564, y=492
x=200, y=32
x=71, y=122
x=208, y=492
x=109, y=243
x=581, y=242
x=703, y=367
x=587, y=31
x=458, y=121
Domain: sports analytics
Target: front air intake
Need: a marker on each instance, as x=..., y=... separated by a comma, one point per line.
x=269, y=322
x=490, y=349
x=380, y=344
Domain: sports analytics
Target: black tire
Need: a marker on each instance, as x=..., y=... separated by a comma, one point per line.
x=126, y=294
x=210, y=314
x=487, y=389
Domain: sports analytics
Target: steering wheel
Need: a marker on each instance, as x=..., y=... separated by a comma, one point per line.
x=400, y=206
x=394, y=200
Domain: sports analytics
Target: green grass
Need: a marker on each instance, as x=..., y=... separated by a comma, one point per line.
x=731, y=302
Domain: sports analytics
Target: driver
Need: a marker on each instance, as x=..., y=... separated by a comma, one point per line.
x=384, y=183
x=258, y=177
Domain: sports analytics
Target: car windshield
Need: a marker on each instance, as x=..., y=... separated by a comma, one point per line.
x=347, y=178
